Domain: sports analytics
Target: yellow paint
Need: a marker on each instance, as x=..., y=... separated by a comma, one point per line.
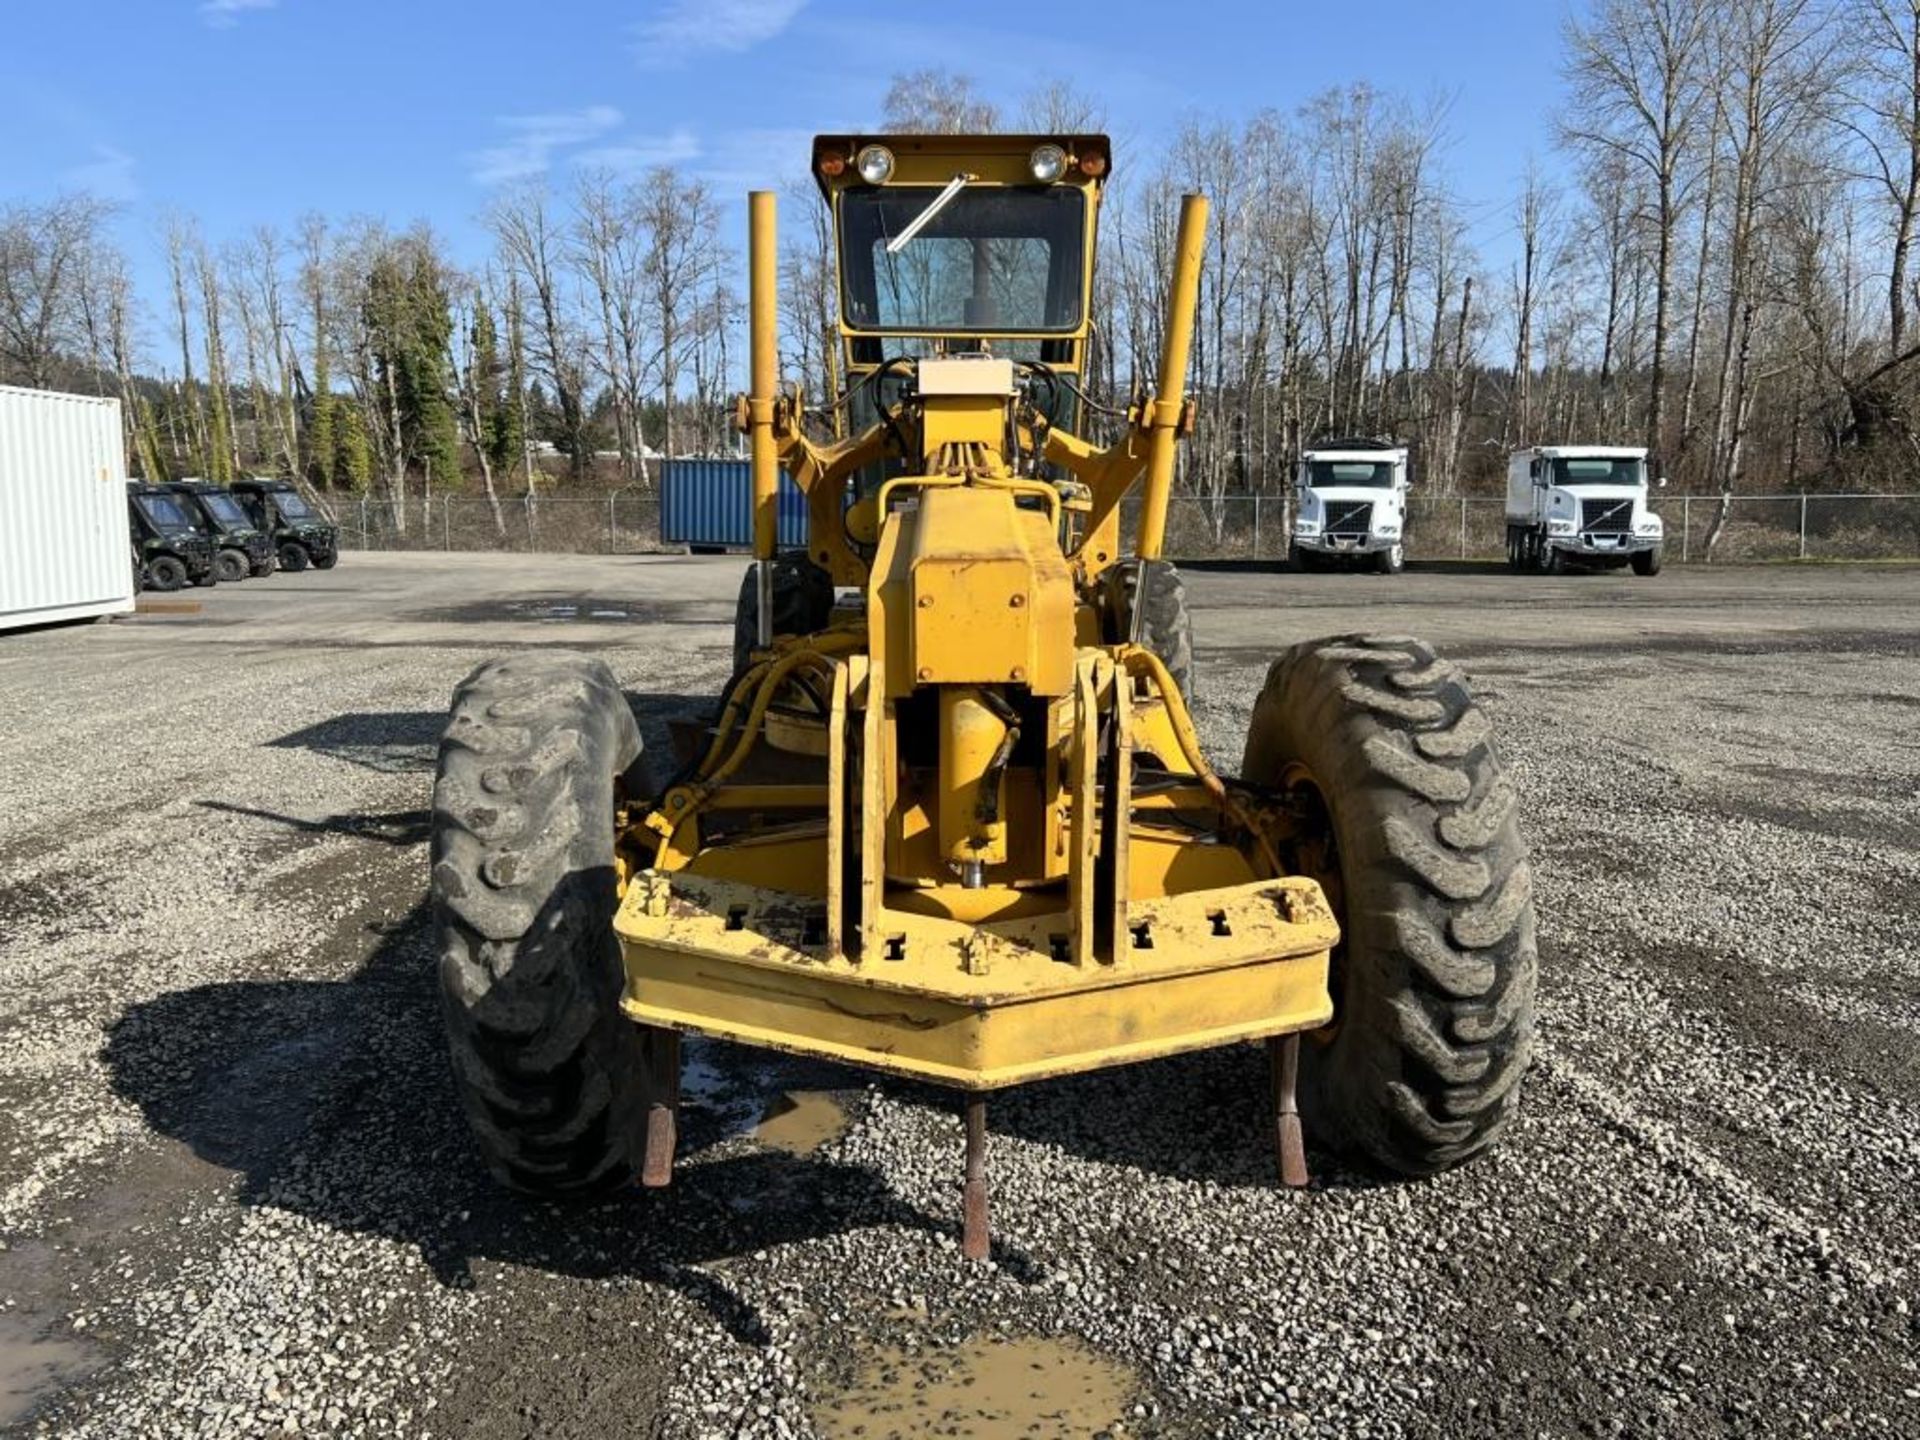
x=979, y=1005
x=868, y=863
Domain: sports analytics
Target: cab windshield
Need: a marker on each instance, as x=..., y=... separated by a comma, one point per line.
x=1598, y=470
x=1326, y=474
x=164, y=511
x=995, y=260
x=291, y=505
x=226, y=510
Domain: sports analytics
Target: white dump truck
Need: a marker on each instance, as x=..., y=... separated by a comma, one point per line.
x=1352, y=506
x=1581, y=505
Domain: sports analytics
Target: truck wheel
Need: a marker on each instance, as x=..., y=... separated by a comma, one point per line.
x=1410, y=827
x=1167, y=627
x=293, y=558
x=166, y=572
x=326, y=561
x=1546, y=559
x=1390, y=561
x=261, y=570
x=802, y=603
x=1646, y=562
x=229, y=566
x=549, y=1071
x=1298, y=560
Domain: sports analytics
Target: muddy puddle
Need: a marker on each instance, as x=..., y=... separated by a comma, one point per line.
x=990, y=1388
x=34, y=1367
x=801, y=1121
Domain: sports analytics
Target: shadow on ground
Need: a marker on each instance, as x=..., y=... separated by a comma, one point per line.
x=334, y=1100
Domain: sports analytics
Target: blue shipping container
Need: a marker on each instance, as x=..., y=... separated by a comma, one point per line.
x=709, y=503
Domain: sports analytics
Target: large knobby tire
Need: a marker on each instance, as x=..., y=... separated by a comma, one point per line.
x=229, y=566
x=802, y=603
x=550, y=1072
x=1435, y=977
x=326, y=561
x=293, y=558
x=1167, y=626
x=166, y=572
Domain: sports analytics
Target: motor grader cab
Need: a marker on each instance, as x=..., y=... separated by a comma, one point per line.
x=952, y=820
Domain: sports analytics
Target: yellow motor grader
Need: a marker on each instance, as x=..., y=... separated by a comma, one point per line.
x=952, y=820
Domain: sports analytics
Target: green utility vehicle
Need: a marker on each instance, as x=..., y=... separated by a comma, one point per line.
x=168, y=548
x=301, y=535
x=240, y=548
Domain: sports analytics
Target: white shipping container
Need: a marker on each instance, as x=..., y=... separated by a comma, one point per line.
x=65, y=552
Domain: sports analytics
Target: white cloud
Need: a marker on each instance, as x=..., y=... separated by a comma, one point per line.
x=532, y=140
x=224, y=14
x=108, y=176
x=685, y=28
x=631, y=154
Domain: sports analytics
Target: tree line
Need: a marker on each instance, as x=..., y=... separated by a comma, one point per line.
x=1725, y=275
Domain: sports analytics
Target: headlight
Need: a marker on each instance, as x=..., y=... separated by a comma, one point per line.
x=875, y=164
x=1048, y=163
x=1560, y=527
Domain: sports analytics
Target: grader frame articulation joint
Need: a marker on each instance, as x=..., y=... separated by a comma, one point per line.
x=958, y=826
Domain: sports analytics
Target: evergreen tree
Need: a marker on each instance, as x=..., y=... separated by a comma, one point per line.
x=352, y=464
x=410, y=324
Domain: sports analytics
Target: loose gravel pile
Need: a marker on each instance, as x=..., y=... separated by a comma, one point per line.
x=236, y=1198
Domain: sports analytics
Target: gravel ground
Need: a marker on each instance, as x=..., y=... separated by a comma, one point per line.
x=236, y=1198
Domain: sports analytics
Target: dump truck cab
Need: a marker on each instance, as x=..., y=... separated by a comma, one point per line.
x=240, y=547
x=1584, y=505
x=170, y=548
x=951, y=819
x=1351, y=505
x=301, y=535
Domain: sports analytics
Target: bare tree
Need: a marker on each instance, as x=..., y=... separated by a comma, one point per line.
x=937, y=102
x=533, y=249
x=1635, y=72
x=44, y=256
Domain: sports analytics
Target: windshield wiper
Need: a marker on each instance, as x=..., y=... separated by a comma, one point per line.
x=925, y=217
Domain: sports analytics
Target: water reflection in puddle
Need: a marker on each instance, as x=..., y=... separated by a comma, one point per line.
x=989, y=1388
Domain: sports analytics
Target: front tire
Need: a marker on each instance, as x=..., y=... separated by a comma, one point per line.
x=293, y=558
x=1646, y=562
x=166, y=572
x=1166, y=628
x=802, y=603
x=1391, y=561
x=549, y=1071
x=326, y=561
x=1412, y=830
x=229, y=566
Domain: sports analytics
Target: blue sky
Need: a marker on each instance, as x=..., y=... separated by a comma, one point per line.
x=249, y=111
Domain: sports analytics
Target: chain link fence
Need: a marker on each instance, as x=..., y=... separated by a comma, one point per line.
x=1229, y=527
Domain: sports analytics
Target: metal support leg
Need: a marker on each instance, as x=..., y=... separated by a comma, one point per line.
x=663, y=1107
x=1283, y=1057
x=973, y=1234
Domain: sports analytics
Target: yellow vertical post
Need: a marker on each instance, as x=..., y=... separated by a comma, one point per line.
x=764, y=364
x=1163, y=419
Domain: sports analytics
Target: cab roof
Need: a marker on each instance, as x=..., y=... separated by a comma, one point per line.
x=931, y=159
x=1590, y=452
